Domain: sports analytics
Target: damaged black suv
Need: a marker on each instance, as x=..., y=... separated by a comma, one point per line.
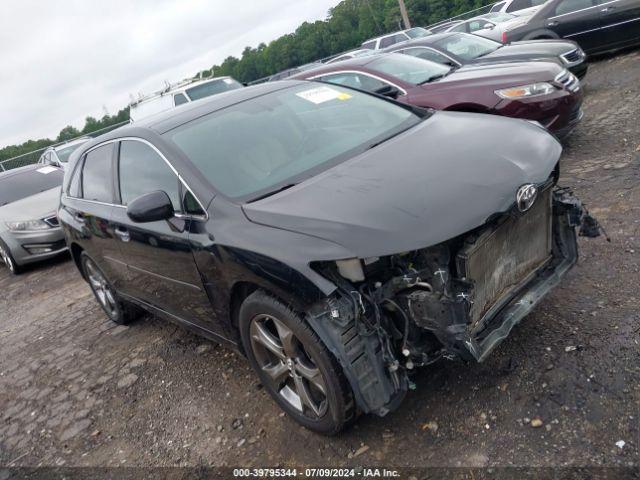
x=338, y=239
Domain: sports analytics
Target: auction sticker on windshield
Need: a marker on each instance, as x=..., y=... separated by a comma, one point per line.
x=323, y=94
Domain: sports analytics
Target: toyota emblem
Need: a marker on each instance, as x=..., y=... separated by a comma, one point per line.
x=526, y=196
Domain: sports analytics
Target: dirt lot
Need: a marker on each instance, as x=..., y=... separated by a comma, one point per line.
x=76, y=390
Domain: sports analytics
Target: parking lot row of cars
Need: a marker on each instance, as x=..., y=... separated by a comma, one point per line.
x=334, y=227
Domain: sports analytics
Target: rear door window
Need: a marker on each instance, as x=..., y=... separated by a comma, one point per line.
x=97, y=174
x=141, y=171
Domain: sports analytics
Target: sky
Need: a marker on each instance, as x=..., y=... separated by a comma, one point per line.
x=63, y=60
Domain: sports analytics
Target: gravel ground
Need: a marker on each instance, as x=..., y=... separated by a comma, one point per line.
x=562, y=390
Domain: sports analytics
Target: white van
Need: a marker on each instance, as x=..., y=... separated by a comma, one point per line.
x=175, y=95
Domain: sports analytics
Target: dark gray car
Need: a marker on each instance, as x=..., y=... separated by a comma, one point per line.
x=597, y=26
x=29, y=229
x=458, y=49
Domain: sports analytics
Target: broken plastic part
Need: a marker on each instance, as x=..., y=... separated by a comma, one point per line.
x=351, y=269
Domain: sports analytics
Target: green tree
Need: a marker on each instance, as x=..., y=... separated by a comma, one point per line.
x=67, y=133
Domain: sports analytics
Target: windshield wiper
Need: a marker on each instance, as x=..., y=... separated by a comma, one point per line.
x=437, y=77
x=273, y=192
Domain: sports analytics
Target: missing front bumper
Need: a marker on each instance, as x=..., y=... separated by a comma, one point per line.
x=471, y=335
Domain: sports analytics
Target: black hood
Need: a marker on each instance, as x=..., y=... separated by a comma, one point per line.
x=436, y=181
x=529, y=50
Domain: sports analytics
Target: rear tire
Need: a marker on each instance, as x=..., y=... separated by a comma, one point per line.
x=294, y=366
x=118, y=310
x=9, y=261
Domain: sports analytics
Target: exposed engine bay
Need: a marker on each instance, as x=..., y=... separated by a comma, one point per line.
x=455, y=300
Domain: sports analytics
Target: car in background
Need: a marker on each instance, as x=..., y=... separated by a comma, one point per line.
x=444, y=26
x=517, y=7
x=597, y=26
x=392, y=38
x=293, y=71
x=352, y=54
x=336, y=238
x=538, y=91
x=58, y=156
x=29, y=228
x=175, y=95
x=490, y=25
x=458, y=49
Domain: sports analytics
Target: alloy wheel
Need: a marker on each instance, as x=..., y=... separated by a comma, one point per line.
x=102, y=289
x=6, y=258
x=288, y=367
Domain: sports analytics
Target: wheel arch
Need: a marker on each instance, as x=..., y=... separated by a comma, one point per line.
x=542, y=34
x=76, y=254
x=242, y=289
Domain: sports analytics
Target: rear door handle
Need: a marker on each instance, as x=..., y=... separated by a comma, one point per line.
x=608, y=9
x=123, y=234
x=552, y=24
x=79, y=217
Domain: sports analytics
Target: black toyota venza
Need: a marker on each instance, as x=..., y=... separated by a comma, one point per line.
x=338, y=239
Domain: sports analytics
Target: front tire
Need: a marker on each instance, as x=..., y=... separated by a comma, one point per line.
x=7, y=258
x=295, y=367
x=117, y=310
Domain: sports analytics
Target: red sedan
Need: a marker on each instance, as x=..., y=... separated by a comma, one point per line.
x=539, y=91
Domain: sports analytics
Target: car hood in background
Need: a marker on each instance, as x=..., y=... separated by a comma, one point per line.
x=440, y=179
x=34, y=207
x=497, y=75
x=529, y=50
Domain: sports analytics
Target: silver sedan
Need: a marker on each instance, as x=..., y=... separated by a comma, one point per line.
x=29, y=229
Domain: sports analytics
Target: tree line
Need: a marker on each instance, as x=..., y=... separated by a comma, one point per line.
x=347, y=25
x=67, y=133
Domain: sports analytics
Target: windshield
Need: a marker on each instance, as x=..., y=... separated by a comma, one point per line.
x=212, y=88
x=409, y=69
x=65, y=153
x=468, y=47
x=278, y=139
x=16, y=186
x=418, y=32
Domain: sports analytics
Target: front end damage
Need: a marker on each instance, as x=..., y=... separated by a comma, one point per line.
x=457, y=300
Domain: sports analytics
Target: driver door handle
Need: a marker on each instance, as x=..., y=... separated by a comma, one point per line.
x=553, y=23
x=608, y=9
x=123, y=234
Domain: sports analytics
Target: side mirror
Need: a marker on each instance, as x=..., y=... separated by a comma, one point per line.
x=490, y=26
x=151, y=207
x=388, y=91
